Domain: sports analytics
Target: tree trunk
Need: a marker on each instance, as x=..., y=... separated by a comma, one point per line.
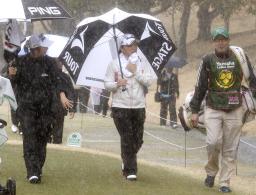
x=173, y=25
x=205, y=18
x=30, y=28
x=45, y=26
x=182, y=49
x=226, y=22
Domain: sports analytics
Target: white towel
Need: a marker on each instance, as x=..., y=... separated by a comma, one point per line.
x=133, y=59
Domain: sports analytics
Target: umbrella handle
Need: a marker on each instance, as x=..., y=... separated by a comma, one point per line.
x=117, y=51
x=119, y=61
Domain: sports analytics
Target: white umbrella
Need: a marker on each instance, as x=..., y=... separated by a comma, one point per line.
x=32, y=9
x=55, y=44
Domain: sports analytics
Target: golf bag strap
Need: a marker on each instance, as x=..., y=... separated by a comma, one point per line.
x=240, y=55
x=249, y=100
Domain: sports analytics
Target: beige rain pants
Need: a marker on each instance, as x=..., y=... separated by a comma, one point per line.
x=223, y=135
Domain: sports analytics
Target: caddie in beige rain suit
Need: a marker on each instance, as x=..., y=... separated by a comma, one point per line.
x=219, y=81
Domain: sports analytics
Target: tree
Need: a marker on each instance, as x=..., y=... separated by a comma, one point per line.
x=205, y=17
x=228, y=8
x=251, y=7
x=182, y=40
x=209, y=10
x=183, y=6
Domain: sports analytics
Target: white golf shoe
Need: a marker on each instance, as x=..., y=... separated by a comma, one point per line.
x=131, y=177
x=14, y=128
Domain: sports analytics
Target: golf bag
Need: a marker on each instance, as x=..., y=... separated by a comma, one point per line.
x=185, y=113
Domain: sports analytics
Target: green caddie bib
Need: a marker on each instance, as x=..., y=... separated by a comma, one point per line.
x=225, y=77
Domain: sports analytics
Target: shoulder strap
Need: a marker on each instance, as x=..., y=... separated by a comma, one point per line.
x=240, y=55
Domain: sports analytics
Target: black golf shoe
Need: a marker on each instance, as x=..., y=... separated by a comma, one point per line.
x=209, y=181
x=225, y=189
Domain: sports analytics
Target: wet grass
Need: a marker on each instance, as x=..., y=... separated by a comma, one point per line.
x=59, y=172
x=79, y=173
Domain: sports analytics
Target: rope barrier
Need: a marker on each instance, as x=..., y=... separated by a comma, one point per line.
x=167, y=142
x=153, y=136
x=162, y=140
x=159, y=117
x=251, y=145
x=151, y=113
x=159, y=138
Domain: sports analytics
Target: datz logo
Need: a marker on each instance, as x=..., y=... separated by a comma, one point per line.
x=164, y=50
x=44, y=10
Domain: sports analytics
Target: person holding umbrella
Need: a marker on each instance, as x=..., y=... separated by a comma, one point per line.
x=127, y=82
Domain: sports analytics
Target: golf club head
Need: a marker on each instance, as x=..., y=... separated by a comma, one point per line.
x=183, y=120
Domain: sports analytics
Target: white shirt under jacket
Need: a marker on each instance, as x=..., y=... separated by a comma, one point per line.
x=134, y=95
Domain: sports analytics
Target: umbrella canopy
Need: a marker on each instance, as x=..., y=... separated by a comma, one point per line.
x=175, y=62
x=55, y=44
x=32, y=10
x=94, y=44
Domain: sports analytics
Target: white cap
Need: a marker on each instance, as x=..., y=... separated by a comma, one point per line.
x=46, y=42
x=128, y=39
x=34, y=42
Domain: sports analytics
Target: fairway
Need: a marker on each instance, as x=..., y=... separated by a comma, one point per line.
x=95, y=167
x=80, y=173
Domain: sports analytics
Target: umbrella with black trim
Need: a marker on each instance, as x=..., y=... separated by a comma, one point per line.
x=32, y=10
x=95, y=43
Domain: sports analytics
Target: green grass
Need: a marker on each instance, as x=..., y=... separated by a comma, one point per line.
x=79, y=173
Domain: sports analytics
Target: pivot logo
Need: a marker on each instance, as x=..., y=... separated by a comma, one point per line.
x=147, y=31
x=44, y=10
x=79, y=42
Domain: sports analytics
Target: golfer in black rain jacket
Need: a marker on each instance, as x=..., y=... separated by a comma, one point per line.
x=37, y=79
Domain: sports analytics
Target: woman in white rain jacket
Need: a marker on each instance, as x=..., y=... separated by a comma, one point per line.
x=128, y=101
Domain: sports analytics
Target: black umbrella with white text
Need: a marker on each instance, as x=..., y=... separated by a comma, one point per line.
x=32, y=10
x=94, y=44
